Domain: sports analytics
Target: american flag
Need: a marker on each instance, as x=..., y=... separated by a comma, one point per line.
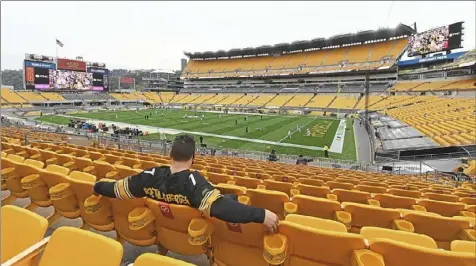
x=58, y=42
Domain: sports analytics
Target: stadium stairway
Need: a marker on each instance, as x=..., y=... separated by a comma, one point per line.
x=330, y=103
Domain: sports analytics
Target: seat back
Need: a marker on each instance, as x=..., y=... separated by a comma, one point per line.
x=238, y=242
x=20, y=229
x=441, y=197
x=335, y=248
x=271, y=200
x=368, y=215
x=316, y=207
x=284, y=187
x=371, y=189
x=247, y=182
x=448, y=209
x=463, y=246
x=172, y=222
x=371, y=233
x=96, y=211
x=216, y=178
x=333, y=185
x=311, y=182
x=351, y=196
x=121, y=209
x=395, y=202
x=103, y=168
x=230, y=189
x=441, y=229
x=396, y=253
x=320, y=192
x=125, y=171
x=83, y=248
x=405, y=193
x=149, y=259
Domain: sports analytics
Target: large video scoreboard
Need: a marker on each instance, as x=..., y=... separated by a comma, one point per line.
x=46, y=74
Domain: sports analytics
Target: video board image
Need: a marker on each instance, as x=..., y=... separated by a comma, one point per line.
x=62, y=79
x=431, y=41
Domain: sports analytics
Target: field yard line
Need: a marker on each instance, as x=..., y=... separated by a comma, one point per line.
x=152, y=129
x=296, y=129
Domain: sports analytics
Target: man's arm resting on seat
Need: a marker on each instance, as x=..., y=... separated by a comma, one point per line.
x=232, y=211
x=127, y=188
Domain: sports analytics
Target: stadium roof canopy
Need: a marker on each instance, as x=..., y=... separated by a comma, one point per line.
x=362, y=36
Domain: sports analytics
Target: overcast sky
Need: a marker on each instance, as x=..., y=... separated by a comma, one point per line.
x=139, y=35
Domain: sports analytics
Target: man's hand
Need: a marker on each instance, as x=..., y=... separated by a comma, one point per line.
x=271, y=221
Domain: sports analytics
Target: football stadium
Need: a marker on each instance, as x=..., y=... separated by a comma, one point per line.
x=362, y=144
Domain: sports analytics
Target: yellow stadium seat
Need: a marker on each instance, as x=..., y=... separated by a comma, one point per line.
x=317, y=207
x=441, y=197
x=333, y=185
x=398, y=202
x=216, y=178
x=124, y=171
x=271, y=200
x=371, y=189
x=448, y=209
x=144, y=165
x=20, y=229
x=150, y=259
x=396, y=253
x=14, y=175
x=442, y=229
x=463, y=246
x=230, y=189
x=237, y=244
x=354, y=196
x=247, y=182
x=95, y=211
x=311, y=182
x=284, y=187
x=369, y=215
x=405, y=193
x=102, y=169
x=314, y=191
x=78, y=163
x=305, y=244
x=371, y=233
x=83, y=248
x=173, y=223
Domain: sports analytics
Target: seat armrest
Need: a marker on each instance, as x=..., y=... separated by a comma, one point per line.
x=467, y=234
x=403, y=225
x=112, y=175
x=373, y=202
x=274, y=248
x=230, y=182
x=366, y=257
x=28, y=254
x=244, y=200
x=6, y=171
x=331, y=197
x=418, y=208
x=467, y=214
x=199, y=231
x=261, y=187
x=344, y=217
x=290, y=208
x=294, y=192
x=139, y=218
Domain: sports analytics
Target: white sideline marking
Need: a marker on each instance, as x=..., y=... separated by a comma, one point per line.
x=338, y=142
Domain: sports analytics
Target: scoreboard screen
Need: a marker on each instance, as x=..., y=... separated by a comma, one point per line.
x=436, y=40
x=37, y=74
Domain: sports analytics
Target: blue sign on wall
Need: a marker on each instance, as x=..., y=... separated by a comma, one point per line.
x=40, y=64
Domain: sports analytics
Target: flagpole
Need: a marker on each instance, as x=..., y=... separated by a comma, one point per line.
x=56, y=45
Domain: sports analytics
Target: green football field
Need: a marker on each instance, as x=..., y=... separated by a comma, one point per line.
x=273, y=128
